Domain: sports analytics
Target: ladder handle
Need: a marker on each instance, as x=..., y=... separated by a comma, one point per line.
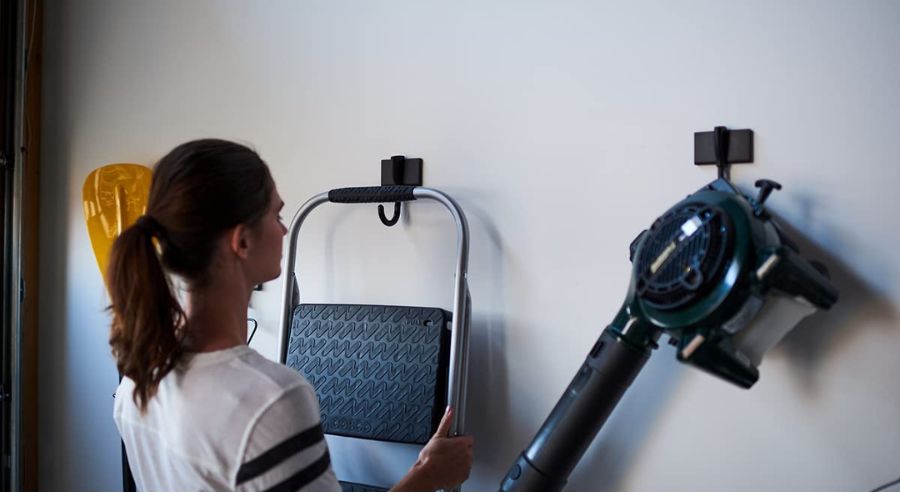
x=371, y=194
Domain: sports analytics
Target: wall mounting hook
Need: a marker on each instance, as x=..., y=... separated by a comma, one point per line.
x=720, y=135
x=399, y=171
x=723, y=147
x=393, y=220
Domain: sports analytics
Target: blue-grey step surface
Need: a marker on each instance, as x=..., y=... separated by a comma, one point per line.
x=348, y=487
x=380, y=372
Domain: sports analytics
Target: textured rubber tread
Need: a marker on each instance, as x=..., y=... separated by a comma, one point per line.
x=380, y=372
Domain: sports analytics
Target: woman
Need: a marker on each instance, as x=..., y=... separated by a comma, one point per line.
x=197, y=408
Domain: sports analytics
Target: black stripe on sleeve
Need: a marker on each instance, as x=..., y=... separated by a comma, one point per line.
x=305, y=476
x=279, y=453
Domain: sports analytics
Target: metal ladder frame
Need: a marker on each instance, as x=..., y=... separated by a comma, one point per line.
x=462, y=302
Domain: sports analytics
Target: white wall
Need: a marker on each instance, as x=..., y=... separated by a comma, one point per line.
x=563, y=129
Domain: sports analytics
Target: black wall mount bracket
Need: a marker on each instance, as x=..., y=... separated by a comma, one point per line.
x=723, y=147
x=399, y=171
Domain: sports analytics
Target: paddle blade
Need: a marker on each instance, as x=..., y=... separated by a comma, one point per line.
x=114, y=196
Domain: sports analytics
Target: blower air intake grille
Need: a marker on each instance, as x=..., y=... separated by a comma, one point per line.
x=683, y=255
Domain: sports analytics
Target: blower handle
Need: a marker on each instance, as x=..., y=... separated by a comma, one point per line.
x=576, y=419
x=372, y=194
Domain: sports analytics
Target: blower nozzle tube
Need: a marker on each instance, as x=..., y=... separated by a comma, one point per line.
x=576, y=419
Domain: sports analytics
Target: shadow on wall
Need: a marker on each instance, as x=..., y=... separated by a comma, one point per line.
x=489, y=417
x=816, y=337
x=54, y=342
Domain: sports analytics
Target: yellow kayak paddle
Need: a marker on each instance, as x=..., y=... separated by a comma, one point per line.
x=114, y=197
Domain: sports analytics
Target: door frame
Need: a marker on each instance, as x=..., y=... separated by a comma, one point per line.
x=20, y=56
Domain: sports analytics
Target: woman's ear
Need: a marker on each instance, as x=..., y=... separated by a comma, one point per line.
x=239, y=240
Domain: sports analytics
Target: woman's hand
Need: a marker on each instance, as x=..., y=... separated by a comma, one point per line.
x=444, y=462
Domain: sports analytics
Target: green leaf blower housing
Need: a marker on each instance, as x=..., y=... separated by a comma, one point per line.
x=717, y=275
x=703, y=272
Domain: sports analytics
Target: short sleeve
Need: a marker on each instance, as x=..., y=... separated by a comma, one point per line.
x=285, y=448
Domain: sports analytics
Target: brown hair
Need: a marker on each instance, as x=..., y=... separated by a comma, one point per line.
x=198, y=191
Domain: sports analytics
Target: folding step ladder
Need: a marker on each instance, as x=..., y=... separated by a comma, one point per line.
x=384, y=373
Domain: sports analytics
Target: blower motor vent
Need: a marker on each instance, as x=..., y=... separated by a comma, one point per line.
x=683, y=255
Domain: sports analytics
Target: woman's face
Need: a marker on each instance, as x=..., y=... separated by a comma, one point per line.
x=269, y=233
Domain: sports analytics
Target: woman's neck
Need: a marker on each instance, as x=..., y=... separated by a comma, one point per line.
x=217, y=317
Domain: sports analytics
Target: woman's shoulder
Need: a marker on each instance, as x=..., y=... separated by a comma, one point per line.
x=269, y=371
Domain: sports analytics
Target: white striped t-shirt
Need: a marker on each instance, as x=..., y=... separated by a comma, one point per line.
x=226, y=420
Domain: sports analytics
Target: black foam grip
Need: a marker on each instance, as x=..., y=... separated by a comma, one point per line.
x=372, y=194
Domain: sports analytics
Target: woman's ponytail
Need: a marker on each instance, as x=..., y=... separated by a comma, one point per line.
x=147, y=318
